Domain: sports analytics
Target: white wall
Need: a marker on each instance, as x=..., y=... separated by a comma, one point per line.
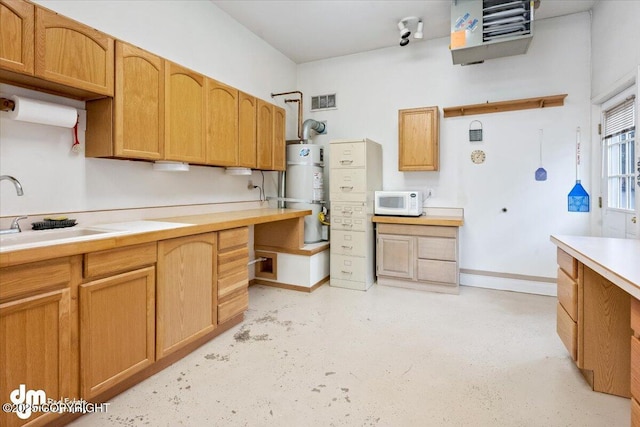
x=371, y=87
x=615, y=39
x=195, y=34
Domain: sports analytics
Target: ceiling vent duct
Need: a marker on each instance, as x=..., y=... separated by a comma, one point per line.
x=488, y=29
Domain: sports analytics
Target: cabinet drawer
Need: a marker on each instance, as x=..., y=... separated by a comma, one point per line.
x=118, y=260
x=349, y=242
x=635, y=316
x=418, y=230
x=568, y=263
x=234, y=237
x=232, y=261
x=635, y=367
x=349, y=210
x=437, y=271
x=33, y=277
x=567, y=330
x=349, y=268
x=348, y=224
x=347, y=155
x=233, y=282
x=437, y=248
x=348, y=182
x=568, y=294
x=233, y=306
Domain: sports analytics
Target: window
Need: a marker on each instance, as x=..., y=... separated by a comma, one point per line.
x=619, y=152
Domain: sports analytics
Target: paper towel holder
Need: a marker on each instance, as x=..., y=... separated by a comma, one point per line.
x=7, y=104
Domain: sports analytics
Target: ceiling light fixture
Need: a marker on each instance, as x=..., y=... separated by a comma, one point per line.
x=405, y=32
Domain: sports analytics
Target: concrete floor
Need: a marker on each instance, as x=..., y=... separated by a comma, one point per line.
x=385, y=357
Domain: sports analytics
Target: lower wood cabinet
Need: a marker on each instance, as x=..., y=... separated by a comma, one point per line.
x=423, y=257
x=117, y=332
x=35, y=334
x=593, y=323
x=635, y=363
x=233, y=273
x=186, y=291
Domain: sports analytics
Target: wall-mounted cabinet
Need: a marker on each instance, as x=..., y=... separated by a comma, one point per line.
x=185, y=114
x=73, y=54
x=247, y=110
x=131, y=124
x=418, y=139
x=43, y=50
x=270, y=136
x=222, y=124
x=17, y=35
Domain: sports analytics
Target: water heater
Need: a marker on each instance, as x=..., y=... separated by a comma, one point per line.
x=304, y=188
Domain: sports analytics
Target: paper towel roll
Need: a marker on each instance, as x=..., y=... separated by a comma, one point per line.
x=46, y=113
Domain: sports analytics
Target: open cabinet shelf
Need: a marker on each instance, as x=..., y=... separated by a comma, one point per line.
x=512, y=105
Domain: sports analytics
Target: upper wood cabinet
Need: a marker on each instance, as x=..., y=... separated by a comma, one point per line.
x=73, y=54
x=279, y=142
x=16, y=36
x=185, y=114
x=418, y=139
x=131, y=124
x=222, y=124
x=264, y=135
x=270, y=136
x=247, y=108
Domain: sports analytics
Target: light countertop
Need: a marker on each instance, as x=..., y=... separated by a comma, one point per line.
x=447, y=217
x=617, y=260
x=31, y=246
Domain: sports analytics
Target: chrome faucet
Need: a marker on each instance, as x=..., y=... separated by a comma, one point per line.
x=15, y=226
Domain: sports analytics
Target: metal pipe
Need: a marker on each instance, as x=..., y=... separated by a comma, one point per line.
x=300, y=109
x=257, y=260
x=308, y=125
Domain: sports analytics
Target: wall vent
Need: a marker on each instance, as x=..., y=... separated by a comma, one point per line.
x=323, y=102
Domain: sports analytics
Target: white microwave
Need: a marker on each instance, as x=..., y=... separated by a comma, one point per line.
x=398, y=203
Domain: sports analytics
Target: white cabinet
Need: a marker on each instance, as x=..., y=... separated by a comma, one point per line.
x=356, y=172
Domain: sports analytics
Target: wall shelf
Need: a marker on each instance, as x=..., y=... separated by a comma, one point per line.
x=513, y=105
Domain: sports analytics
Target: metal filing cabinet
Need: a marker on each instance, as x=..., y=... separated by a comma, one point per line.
x=355, y=174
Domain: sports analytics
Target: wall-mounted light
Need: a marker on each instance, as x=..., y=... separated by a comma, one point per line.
x=405, y=32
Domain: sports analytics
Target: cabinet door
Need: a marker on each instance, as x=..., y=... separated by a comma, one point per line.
x=35, y=345
x=222, y=124
x=185, y=112
x=247, y=107
x=139, y=104
x=117, y=329
x=73, y=54
x=186, y=291
x=418, y=139
x=279, y=142
x=264, y=135
x=395, y=256
x=16, y=36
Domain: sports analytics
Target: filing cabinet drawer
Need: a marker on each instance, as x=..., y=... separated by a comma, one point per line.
x=349, y=242
x=568, y=263
x=348, y=185
x=568, y=294
x=349, y=268
x=348, y=224
x=437, y=248
x=437, y=271
x=567, y=331
x=349, y=210
x=347, y=155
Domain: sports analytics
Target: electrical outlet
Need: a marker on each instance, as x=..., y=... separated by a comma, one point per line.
x=250, y=185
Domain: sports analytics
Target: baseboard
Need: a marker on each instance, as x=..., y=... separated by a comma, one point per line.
x=509, y=282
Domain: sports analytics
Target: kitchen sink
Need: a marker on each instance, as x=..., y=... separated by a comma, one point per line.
x=46, y=236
